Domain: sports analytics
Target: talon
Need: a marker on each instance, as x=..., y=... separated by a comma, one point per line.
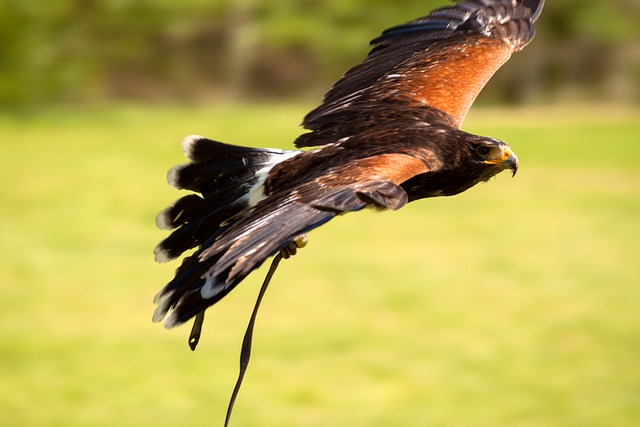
x=292, y=248
x=288, y=252
x=301, y=241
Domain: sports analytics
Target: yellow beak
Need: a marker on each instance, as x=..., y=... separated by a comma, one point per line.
x=507, y=159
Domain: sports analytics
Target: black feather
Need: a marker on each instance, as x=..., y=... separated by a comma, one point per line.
x=224, y=175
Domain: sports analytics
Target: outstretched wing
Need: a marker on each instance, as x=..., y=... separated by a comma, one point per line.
x=442, y=60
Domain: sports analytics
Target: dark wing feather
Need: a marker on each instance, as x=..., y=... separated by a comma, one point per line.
x=442, y=60
x=230, y=255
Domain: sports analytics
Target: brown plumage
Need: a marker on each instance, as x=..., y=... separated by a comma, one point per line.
x=386, y=134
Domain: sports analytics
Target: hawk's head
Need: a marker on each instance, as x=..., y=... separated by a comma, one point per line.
x=465, y=160
x=490, y=156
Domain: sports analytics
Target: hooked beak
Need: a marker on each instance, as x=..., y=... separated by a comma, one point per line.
x=507, y=159
x=511, y=162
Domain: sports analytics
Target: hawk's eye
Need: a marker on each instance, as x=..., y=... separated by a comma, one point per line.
x=483, y=150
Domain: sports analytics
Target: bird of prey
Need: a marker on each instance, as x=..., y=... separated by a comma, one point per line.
x=387, y=133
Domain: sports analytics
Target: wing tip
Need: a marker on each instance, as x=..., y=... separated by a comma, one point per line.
x=162, y=299
x=172, y=176
x=163, y=219
x=161, y=254
x=189, y=146
x=447, y=20
x=171, y=320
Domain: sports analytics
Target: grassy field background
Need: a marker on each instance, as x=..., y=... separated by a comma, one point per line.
x=514, y=304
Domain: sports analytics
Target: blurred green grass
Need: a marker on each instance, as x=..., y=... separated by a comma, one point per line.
x=514, y=304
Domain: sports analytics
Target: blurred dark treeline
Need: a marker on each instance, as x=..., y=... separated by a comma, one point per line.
x=96, y=51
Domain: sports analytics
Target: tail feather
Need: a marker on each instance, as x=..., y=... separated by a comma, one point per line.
x=217, y=167
x=225, y=175
x=193, y=233
x=179, y=212
x=211, y=179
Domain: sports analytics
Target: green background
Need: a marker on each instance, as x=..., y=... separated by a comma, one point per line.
x=515, y=303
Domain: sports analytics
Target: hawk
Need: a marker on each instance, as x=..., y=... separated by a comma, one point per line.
x=386, y=134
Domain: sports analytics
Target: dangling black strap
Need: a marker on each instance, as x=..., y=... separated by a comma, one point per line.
x=245, y=352
x=196, y=330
